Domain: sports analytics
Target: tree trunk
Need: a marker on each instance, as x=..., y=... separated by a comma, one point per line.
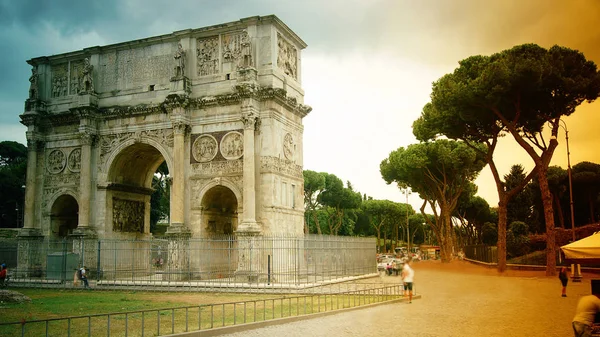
x=306, y=222
x=446, y=236
x=385, y=241
x=561, y=217
x=316, y=218
x=502, y=219
x=549, y=218
x=378, y=240
x=396, y=242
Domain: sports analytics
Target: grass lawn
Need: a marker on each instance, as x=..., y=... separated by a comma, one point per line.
x=53, y=303
x=50, y=303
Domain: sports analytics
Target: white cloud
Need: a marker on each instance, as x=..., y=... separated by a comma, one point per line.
x=363, y=108
x=13, y=132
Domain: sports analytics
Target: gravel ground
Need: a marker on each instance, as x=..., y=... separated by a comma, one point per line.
x=458, y=299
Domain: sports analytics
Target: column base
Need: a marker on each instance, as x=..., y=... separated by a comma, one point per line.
x=248, y=228
x=30, y=233
x=178, y=229
x=84, y=232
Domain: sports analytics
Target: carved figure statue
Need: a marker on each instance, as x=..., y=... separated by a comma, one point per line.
x=86, y=77
x=55, y=87
x=33, y=87
x=246, y=50
x=179, y=61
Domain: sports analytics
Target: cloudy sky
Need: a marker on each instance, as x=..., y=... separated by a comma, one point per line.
x=367, y=70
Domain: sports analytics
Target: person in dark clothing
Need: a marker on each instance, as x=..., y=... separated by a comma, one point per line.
x=3, y=275
x=564, y=279
x=83, y=277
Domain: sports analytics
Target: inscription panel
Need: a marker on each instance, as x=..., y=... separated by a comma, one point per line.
x=107, y=77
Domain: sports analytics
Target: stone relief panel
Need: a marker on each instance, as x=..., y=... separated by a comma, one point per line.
x=207, y=56
x=218, y=168
x=204, y=148
x=56, y=161
x=74, y=160
x=76, y=77
x=237, y=49
x=128, y=216
x=287, y=57
x=281, y=166
x=232, y=145
x=59, y=80
x=64, y=179
x=289, y=146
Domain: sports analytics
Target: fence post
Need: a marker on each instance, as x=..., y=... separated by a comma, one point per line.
x=98, y=265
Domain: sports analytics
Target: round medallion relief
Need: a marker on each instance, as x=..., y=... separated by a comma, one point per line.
x=74, y=162
x=232, y=145
x=204, y=148
x=56, y=161
x=289, y=146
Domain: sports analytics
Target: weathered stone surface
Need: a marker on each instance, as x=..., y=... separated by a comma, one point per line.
x=221, y=105
x=10, y=296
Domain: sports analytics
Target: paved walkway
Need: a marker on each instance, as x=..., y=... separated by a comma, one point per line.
x=458, y=299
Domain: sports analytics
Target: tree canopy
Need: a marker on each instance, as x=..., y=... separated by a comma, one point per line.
x=517, y=91
x=13, y=167
x=439, y=171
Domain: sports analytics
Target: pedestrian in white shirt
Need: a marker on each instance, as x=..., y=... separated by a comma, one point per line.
x=408, y=275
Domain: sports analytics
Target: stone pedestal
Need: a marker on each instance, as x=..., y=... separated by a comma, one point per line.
x=178, y=256
x=181, y=85
x=249, y=269
x=87, y=99
x=30, y=253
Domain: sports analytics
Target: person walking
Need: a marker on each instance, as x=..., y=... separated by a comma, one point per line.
x=564, y=279
x=585, y=314
x=83, y=277
x=408, y=275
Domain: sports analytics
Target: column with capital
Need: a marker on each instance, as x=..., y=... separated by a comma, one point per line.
x=178, y=233
x=249, y=269
x=85, y=186
x=250, y=119
x=33, y=145
x=178, y=185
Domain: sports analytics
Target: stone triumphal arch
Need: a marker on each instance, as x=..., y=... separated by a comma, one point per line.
x=221, y=105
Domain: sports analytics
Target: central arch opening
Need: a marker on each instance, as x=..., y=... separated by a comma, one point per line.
x=138, y=190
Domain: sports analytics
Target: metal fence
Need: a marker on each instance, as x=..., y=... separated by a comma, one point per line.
x=483, y=253
x=234, y=262
x=166, y=321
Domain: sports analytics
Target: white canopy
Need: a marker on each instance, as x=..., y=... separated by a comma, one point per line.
x=586, y=250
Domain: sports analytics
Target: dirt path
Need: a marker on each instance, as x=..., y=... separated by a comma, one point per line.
x=458, y=299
